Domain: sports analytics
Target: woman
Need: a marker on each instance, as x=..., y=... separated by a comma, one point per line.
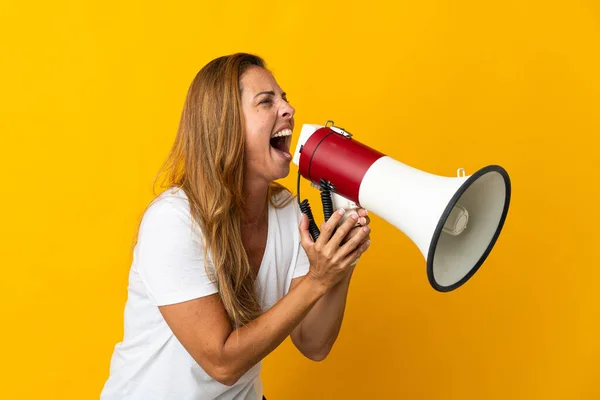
x=224, y=268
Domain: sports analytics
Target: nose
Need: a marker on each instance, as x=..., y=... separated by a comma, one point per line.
x=286, y=111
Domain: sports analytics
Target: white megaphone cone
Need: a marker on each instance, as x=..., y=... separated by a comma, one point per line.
x=454, y=221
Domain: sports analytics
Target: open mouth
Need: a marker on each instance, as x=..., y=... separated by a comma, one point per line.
x=281, y=142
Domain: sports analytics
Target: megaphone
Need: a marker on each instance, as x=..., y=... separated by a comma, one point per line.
x=454, y=221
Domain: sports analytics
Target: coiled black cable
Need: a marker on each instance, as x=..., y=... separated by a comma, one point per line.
x=326, y=200
x=312, y=226
x=326, y=189
x=305, y=208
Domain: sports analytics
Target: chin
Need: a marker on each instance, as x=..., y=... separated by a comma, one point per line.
x=278, y=172
x=283, y=173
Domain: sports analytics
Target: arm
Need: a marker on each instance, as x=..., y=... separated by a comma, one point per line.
x=317, y=332
x=203, y=328
x=315, y=335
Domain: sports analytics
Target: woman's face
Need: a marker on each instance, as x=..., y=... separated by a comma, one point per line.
x=269, y=121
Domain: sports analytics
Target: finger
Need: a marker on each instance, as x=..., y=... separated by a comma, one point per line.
x=362, y=212
x=364, y=221
x=305, y=238
x=354, y=243
x=356, y=253
x=328, y=227
x=351, y=234
x=343, y=230
x=367, y=238
x=354, y=231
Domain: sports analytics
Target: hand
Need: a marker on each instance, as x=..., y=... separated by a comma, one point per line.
x=363, y=220
x=330, y=259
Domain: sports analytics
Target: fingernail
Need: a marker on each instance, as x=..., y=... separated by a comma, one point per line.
x=363, y=220
x=368, y=243
x=366, y=228
x=366, y=212
x=354, y=216
x=341, y=211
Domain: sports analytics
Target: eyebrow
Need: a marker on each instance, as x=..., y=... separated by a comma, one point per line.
x=270, y=93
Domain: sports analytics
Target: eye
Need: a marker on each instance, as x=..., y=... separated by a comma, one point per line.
x=266, y=101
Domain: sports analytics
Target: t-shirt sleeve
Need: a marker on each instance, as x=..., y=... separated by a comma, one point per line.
x=169, y=255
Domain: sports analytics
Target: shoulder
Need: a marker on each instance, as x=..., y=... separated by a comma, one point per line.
x=168, y=255
x=172, y=202
x=169, y=210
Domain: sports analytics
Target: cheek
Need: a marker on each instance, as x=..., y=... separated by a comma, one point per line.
x=251, y=119
x=260, y=118
x=258, y=128
x=259, y=124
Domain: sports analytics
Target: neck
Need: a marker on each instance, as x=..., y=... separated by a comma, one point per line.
x=256, y=203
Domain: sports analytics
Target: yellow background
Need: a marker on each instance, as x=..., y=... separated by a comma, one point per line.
x=90, y=99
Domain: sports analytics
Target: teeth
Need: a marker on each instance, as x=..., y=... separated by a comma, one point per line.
x=285, y=132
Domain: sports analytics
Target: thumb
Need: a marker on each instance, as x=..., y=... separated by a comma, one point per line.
x=305, y=237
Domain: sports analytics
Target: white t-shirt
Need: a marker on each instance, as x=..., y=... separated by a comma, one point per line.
x=167, y=268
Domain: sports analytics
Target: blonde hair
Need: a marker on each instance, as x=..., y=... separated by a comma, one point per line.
x=206, y=161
